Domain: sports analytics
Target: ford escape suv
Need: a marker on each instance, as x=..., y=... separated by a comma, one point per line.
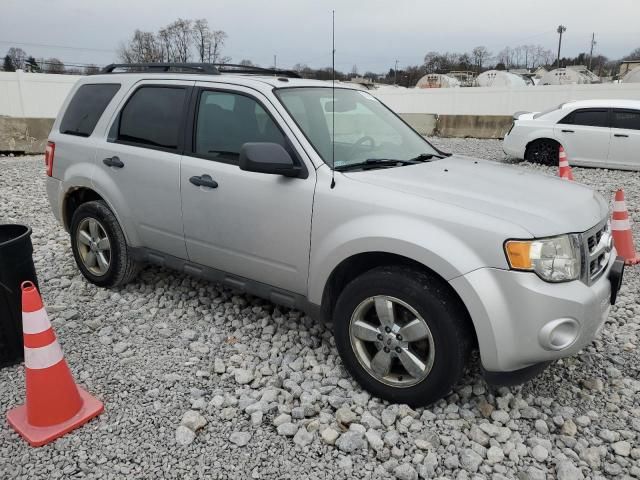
x=323, y=199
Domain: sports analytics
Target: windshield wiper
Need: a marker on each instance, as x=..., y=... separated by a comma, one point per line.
x=423, y=157
x=371, y=163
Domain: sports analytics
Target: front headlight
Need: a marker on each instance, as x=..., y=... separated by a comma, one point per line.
x=555, y=259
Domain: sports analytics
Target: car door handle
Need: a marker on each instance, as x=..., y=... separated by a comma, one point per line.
x=620, y=135
x=113, y=162
x=204, y=181
x=568, y=131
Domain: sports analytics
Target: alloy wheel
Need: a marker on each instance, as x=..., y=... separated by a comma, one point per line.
x=94, y=246
x=391, y=341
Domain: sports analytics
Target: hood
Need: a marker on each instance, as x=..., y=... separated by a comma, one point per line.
x=541, y=204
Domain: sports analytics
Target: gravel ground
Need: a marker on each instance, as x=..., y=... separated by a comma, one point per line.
x=201, y=382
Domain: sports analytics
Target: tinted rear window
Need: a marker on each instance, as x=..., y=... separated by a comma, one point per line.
x=86, y=107
x=152, y=117
x=589, y=118
x=629, y=119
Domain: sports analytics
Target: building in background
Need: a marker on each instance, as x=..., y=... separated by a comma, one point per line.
x=501, y=78
x=627, y=66
x=632, y=76
x=438, y=80
x=564, y=76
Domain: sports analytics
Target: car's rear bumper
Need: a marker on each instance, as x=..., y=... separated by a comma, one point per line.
x=55, y=195
x=512, y=147
x=521, y=320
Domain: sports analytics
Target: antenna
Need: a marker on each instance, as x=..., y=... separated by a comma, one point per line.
x=333, y=99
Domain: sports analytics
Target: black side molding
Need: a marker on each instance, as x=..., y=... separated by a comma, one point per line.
x=268, y=292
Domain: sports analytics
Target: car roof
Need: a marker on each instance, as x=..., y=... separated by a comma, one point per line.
x=610, y=103
x=258, y=82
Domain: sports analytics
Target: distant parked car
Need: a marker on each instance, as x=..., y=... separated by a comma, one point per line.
x=594, y=133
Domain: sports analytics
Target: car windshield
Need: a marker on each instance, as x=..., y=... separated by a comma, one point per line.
x=366, y=132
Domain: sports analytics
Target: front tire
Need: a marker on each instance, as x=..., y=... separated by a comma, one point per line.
x=402, y=334
x=544, y=152
x=99, y=246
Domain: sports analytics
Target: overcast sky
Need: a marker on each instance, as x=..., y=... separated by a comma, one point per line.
x=371, y=34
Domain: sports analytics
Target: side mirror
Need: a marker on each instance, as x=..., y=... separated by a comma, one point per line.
x=270, y=158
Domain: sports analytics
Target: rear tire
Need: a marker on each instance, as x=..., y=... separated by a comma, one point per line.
x=544, y=152
x=99, y=246
x=438, y=339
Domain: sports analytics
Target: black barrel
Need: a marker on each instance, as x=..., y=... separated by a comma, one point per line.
x=16, y=266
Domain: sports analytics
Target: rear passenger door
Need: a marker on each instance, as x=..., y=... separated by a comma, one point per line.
x=138, y=164
x=625, y=138
x=584, y=134
x=252, y=225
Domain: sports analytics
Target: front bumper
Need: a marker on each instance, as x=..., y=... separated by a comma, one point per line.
x=521, y=320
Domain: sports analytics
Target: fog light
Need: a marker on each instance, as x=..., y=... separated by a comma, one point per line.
x=559, y=334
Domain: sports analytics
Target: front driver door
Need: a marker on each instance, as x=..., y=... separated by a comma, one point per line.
x=584, y=134
x=252, y=225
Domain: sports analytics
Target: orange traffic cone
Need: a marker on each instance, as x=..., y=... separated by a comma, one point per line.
x=621, y=230
x=564, y=170
x=55, y=405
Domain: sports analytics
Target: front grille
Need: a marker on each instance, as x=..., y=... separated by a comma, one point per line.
x=596, y=251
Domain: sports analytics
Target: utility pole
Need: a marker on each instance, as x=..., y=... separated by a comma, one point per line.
x=561, y=30
x=593, y=44
x=395, y=74
x=275, y=65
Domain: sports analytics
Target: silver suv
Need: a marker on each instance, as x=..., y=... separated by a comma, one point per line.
x=323, y=199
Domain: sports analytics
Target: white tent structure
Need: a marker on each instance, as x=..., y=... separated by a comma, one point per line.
x=632, y=77
x=437, y=80
x=563, y=76
x=500, y=78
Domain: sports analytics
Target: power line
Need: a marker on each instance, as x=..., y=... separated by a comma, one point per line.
x=25, y=44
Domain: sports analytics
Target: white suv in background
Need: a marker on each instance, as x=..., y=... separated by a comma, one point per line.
x=594, y=133
x=416, y=256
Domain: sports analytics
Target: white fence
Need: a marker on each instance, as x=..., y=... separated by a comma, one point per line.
x=497, y=101
x=39, y=95
x=33, y=95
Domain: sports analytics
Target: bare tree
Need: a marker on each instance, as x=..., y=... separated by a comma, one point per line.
x=218, y=38
x=202, y=38
x=177, y=42
x=18, y=57
x=165, y=44
x=480, y=55
x=505, y=56
x=143, y=47
x=182, y=39
x=247, y=63
x=518, y=53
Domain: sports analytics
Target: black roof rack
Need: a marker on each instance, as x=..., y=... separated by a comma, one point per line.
x=206, y=68
x=203, y=68
x=253, y=70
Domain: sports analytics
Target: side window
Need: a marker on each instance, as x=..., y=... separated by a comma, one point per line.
x=86, y=108
x=588, y=117
x=629, y=119
x=152, y=117
x=227, y=120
